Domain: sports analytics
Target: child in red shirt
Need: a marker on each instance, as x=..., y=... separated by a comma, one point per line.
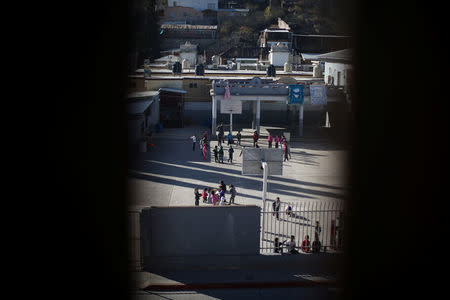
x=306, y=245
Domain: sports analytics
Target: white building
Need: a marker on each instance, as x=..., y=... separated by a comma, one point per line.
x=189, y=52
x=279, y=54
x=196, y=4
x=338, y=67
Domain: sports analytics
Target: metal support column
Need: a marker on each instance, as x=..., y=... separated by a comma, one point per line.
x=300, y=120
x=231, y=122
x=258, y=115
x=214, y=116
x=264, y=193
x=253, y=114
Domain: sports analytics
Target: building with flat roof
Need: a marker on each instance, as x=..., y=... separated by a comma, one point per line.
x=196, y=4
x=143, y=115
x=198, y=102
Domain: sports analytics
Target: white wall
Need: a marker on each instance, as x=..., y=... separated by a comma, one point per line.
x=278, y=58
x=334, y=70
x=196, y=4
x=190, y=56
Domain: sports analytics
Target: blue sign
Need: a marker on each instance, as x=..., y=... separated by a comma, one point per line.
x=296, y=93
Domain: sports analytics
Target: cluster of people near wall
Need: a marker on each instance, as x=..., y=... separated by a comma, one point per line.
x=290, y=245
x=215, y=196
x=218, y=151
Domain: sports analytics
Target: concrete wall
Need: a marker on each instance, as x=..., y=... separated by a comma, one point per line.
x=199, y=231
x=278, y=58
x=197, y=89
x=155, y=84
x=136, y=84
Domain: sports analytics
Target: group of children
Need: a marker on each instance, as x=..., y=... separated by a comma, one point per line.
x=305, y=246
x=203, y=143
x=218, y=150
x=291, y=245
x=215, y=196
x=282, y=142
x=218, y=154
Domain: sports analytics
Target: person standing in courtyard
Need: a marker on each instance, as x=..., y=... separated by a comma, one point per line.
x=219, y=139
x=222, y=200
x=221, y=133
x=216, y=154
x=276, y=207
x=197, y=196
x=317, y=231
x=255, y=138
x=230, y=154
x=204, y=151
x=276, y=140
x=286, y=151
x=221, y=154
x=269, y=140
x=209, y=199
x=194, y=140
x=205, y=195
x=238, y=136
x=230, y=138
x=214, y=198
x=222, y=186
x=233, y=194
x=316, y=245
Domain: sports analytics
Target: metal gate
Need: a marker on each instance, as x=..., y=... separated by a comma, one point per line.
x=322, y=221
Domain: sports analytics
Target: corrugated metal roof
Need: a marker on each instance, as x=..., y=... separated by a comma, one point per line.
x=337, y=56
x=310, y=56
x=143, y=94
x=172, y=90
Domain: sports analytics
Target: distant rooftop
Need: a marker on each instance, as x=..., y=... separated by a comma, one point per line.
x=337, y=56
x=172, y=90
x=189, y=26
x=322, y=35
x=233, y=9
x=143, y=94
x=310, y=56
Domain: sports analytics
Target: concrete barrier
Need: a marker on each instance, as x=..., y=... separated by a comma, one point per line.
x=171, y=232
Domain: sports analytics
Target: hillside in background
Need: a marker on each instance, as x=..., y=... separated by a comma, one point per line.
x=303, y=16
